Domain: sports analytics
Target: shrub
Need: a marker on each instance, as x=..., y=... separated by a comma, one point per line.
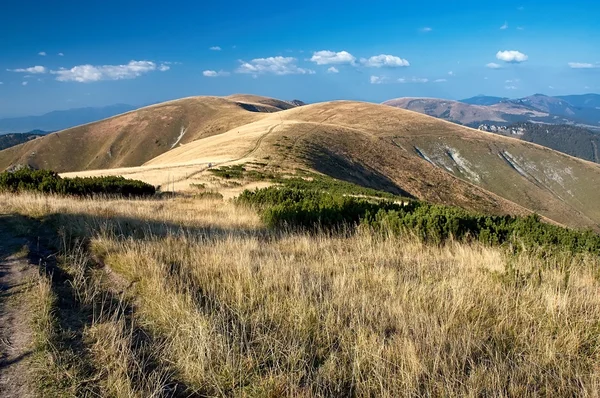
x=313, y=208
x=47, y=181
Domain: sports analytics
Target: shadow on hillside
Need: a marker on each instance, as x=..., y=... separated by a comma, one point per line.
x=334, y=165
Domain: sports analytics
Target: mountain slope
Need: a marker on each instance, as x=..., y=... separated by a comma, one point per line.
x=135, y=137
x=59, y=120
x=483, y=100
x=396, y=150
x=584, y=100
x=10, y=140
x=469, y=115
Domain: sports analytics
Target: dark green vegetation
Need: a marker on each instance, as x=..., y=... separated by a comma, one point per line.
x=572, y=140
x=312, y=207
x=46, y=181
x=10, y=140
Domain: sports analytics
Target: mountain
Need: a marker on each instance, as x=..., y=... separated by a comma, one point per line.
x=583, y=101
x=502, y=113
x=536, y=108
x=172, y=144
x=59, y=120
x=483, y=100
x=572, y=140
x=10, y=140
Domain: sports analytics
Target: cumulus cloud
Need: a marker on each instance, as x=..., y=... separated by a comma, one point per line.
x=326, y=57
x=384, y=60
x=24, y=83
x=378, y=79
x=583, y=65
x=450, y=73
x=510, y=87
x=213, y=73
x=493, y=65
x=413, y=80
x=215, y=48
x=505, y=26
x=93, y=73
x=61, y=54
x=33, y=69
x=273, y=65
x=164, y=67
x=426, y=29
x=1, y=83
x=511, y=56
x=440, y=81
x=42, y=53
x=333, y=69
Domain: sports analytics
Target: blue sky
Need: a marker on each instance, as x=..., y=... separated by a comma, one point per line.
x=68, y=54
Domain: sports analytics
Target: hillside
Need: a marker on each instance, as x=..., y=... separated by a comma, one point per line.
x=10, y=140
x=572, y=140
x=59, y=120
x=136, y=137
x=501, y=111
x=392, y=149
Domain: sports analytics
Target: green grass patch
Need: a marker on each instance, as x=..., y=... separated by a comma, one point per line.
x=47, y=181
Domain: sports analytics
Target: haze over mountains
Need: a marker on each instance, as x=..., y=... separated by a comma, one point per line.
x=60, y=120
x=574, y=109
x=171, y=144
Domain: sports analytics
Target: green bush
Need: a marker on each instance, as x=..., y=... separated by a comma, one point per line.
x=47, y=181
x=315, y=209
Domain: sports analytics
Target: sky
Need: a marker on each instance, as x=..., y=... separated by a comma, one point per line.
x=70, y=54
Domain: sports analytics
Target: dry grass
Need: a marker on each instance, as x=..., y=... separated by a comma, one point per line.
x=264, y=314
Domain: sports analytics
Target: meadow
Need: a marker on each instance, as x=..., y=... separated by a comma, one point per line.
x=199, y=297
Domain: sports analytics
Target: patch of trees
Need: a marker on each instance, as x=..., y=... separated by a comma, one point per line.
x=10, y=140
x=47, y=181
x=318, y=210
x=572, y=140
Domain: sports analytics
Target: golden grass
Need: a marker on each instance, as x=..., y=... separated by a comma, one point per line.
x=289, y=314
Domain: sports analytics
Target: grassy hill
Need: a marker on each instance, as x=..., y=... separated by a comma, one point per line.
x=372, y=145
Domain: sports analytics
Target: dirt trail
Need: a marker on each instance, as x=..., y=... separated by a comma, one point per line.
x=15, y=328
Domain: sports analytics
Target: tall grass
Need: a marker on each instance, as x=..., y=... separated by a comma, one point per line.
x=298, y=314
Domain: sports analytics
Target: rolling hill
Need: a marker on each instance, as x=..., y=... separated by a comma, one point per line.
x=501, y=111
x=372, y=145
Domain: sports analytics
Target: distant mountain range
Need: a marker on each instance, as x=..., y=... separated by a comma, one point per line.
x=60, y=120
x=582, y=110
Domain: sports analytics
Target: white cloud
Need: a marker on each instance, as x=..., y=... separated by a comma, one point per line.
x=92, y=73
x=583, y=65
x=511, y=87
x=450, y=73
x=426, y=29
x=164, y=67
x=215, y=48
x=520, y=28
x=493, y=65
x=275, y=65
x=413, y=80
x=505, y=26
x=24, y=83
x=513, y=81
x=384, y=60
x=511, y=56
x=440, y=80
x=33, y=69
x=551, y=87
x=378, y=79
x=326, y=57
x=213, y=73
x=42, y=53
x=61, y=54
x=333, y=69
x=1, y=83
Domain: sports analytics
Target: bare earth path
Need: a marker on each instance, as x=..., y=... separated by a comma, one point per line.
x=16, y=273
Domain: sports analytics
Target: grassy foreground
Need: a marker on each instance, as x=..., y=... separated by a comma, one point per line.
x=191, y=297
